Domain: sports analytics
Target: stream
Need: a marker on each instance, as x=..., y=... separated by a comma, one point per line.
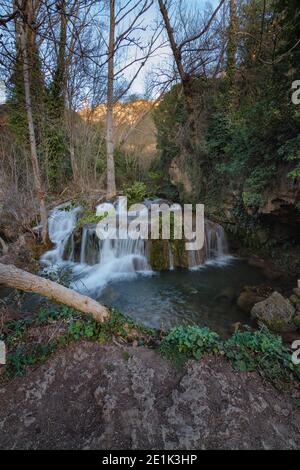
x=118, y=273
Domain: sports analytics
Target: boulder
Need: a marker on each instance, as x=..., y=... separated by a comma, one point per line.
x=296, y=292
x=248, y=298
x=295, y=299
x=296, y=321
x=275, y=312
x=228, y=294
x=251, y=295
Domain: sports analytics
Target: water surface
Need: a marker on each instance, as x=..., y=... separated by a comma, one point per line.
x=206, y=297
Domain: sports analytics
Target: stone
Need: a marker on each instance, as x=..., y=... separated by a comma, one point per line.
x=297, y=292
x=247, y=299
x=296, y=321
x=228, y=294
x=295, y=299
x=275, y=312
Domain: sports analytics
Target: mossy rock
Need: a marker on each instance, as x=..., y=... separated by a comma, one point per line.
x=275, y=312
x=180, y=254
x=294, y=299
x=159, y=255
x=296, y=321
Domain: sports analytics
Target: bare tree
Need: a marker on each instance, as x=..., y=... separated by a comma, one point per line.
x=187, y=70
x=32, y=138
x=126, y=49
x=111, y=179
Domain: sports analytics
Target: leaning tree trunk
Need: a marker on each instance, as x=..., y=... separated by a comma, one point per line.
x=18, y=279
x=32, y=139
x=111, y=180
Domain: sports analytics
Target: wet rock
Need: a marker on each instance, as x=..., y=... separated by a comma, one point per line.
x=228, y=294
x=159, y=254
x=270, y=270
x=296, y=321
x=248, y=298
x=295, y=300
x=296, y=292
x=276, y=312
x=236, y=327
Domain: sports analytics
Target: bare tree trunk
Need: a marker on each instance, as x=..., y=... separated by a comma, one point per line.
x=73, y=160
x=111, y=180
x=18, y=279
x=185, y=78
x=32, y=139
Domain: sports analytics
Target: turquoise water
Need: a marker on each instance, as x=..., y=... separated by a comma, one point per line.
x=206, y=297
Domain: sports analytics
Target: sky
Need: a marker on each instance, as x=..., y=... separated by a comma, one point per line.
x=161, y=55
x=138, y=86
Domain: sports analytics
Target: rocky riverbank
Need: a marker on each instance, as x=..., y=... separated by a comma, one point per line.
x=124, y=397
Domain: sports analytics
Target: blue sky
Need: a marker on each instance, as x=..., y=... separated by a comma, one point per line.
x=161, y=55
x=138, y=86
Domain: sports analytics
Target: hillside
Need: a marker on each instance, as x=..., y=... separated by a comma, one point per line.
x=134, y=127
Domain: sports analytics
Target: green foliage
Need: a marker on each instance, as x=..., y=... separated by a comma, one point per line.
x=136, y=193
x=22, y=352
x=90, y=217
x=184, y=342
x=261, y=351
x=243, y=146
x=126, y=167
x=48, y=315
x=18, y=360
x=159, y=181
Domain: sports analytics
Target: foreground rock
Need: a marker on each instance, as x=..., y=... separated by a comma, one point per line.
x=276, y=312
x=111, y=397
x=251, y=296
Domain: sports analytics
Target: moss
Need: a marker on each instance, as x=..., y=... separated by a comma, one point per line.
x=275, y=324
x=180, y=254
x=159, y=255
x=294, y=299
x=296, y=321
x=89, y=217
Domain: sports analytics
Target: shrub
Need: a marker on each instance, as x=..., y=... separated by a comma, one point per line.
x=185, y=342
x=136, y=193
x=261, y=351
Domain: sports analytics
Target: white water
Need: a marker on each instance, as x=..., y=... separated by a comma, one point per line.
x=96, y=262
x=61, y=224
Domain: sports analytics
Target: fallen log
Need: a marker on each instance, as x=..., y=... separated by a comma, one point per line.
x=16, y=278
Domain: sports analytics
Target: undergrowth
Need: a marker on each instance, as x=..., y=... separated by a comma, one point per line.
x=247, y=351
x=22, y=351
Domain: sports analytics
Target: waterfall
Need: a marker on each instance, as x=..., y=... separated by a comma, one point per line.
x=61, y=224
x=215, y=246
x=96, y=262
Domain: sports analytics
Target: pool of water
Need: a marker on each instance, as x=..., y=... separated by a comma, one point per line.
x=205, y=297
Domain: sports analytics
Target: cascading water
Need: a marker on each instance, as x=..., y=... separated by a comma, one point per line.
x=61, y=224
x=96, y=262
x=215, y=248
